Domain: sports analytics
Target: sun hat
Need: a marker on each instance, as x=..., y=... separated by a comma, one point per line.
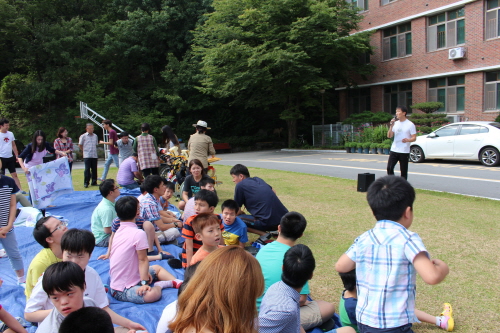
x=202, y=124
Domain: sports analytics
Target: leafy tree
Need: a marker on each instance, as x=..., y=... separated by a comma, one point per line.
x=267, y=53
x=427, y=107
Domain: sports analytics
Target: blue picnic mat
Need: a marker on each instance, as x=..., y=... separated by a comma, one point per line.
x=77, y=208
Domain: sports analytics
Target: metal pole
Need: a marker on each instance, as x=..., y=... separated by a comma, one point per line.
x=322, y=91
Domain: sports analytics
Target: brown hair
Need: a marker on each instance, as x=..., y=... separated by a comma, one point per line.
x=221, y=296
x=60, y=132
x=198, y=163
x=203, y=220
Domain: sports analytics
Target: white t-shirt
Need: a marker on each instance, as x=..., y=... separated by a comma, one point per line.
x=95, y=290
x=6, y=140
x=167, y=316
x=401, y=131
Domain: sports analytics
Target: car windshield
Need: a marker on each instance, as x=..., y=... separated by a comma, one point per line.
x=497, y=125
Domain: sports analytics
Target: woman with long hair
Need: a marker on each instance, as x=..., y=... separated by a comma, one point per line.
x=221, y=296
x=200, y=145
x=65, y=144
x=35, y=151
x=169, y=138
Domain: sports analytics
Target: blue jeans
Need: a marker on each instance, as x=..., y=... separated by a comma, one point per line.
x=130, y=294
x=111, y=158
x=130, y=186
x=9, y=244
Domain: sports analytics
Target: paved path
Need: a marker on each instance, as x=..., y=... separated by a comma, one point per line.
x=469, y=178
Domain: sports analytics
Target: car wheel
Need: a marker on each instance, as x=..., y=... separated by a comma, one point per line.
x=489, y=156
x=416, y=154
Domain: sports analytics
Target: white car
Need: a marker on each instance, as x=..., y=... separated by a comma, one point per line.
x=468, y=140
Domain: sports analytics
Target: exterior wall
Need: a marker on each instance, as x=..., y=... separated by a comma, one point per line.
x=421, y=64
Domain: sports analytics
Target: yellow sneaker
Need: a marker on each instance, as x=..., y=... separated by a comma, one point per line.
x=447, y=322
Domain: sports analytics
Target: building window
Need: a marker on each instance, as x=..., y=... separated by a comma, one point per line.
x=361, y=4
x=492, y=91
x=397, y=41
x=385, y=2
x=359, y=100
x=446, y=30
x=397, y=94
x=492, y=11
x=450, y=91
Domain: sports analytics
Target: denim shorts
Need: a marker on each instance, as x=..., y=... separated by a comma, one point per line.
x=130, y=294
x=401, y=329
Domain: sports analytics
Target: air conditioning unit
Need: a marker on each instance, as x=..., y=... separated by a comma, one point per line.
x=453, y=118
x=456, y=53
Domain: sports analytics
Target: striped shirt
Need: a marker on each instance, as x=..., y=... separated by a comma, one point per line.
x=139, y=221
x=280, y=310
x=7, y=188
x=385, y=276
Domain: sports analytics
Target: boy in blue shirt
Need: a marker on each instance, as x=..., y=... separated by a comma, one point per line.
x=387, y=259
x=235, y=230
x=348, y=300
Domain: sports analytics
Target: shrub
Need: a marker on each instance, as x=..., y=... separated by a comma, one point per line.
x=374, y=145
x=368, y=117
x=427, y=107
x=497, y=119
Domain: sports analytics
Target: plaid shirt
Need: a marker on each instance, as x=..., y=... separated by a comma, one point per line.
x=147, y=152
x=89, y=144
x=61, y=146
x=150, y=209
x=385, y=276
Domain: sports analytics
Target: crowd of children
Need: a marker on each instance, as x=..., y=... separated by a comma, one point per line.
x=378, y=271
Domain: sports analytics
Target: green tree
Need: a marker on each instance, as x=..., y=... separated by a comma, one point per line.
x=266, y=53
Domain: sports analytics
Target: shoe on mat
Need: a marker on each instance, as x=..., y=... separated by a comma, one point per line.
x=446, y=317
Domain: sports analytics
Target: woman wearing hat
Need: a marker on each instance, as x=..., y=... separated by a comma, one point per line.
x=200, y=145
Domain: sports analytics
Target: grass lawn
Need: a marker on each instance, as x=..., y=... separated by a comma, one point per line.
x=461, y=231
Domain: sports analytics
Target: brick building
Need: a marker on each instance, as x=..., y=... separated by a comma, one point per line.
x=430, y=50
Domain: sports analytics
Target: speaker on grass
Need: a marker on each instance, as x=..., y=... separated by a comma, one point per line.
x=364, y=181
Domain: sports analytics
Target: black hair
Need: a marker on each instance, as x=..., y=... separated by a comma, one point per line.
x=87, y=319
x=34, y=144
x=41, y=232
x=197, y=162
x=169, y=185
x=206, y=180
x=402, y=108
x=240, y=169
x=126, y=208
x=230, y=204
x=151, y=182
x=292, y=225
x=298, y=266
x=145, y=127
x=134, y=155
x=389, y=197
x=106, y=187
x=4, y=121
x=107, y=122
x=188, y=274
x=142, y=188
x=349, y=280
x=201, y=129
x=208, y=196
x=62, y=276
x=78, y=241
x=168, y=135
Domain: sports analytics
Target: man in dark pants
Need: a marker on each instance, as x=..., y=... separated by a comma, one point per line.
x=88, y=146
x=404, y=132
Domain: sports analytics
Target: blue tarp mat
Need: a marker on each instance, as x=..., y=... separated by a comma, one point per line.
x=77, y=208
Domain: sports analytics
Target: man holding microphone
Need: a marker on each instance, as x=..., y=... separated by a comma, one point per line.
x=404, y=132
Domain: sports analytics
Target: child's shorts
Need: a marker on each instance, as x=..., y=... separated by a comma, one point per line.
x=401, y=329
x=130, y=294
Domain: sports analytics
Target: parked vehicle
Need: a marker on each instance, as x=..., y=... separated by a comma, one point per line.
x=470, y=140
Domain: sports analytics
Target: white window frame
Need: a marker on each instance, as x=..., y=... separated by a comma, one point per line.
x=491, y=28
x=491, y=95
x=450, y=31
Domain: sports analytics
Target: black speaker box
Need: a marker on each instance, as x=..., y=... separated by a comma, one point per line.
x=364, y=181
